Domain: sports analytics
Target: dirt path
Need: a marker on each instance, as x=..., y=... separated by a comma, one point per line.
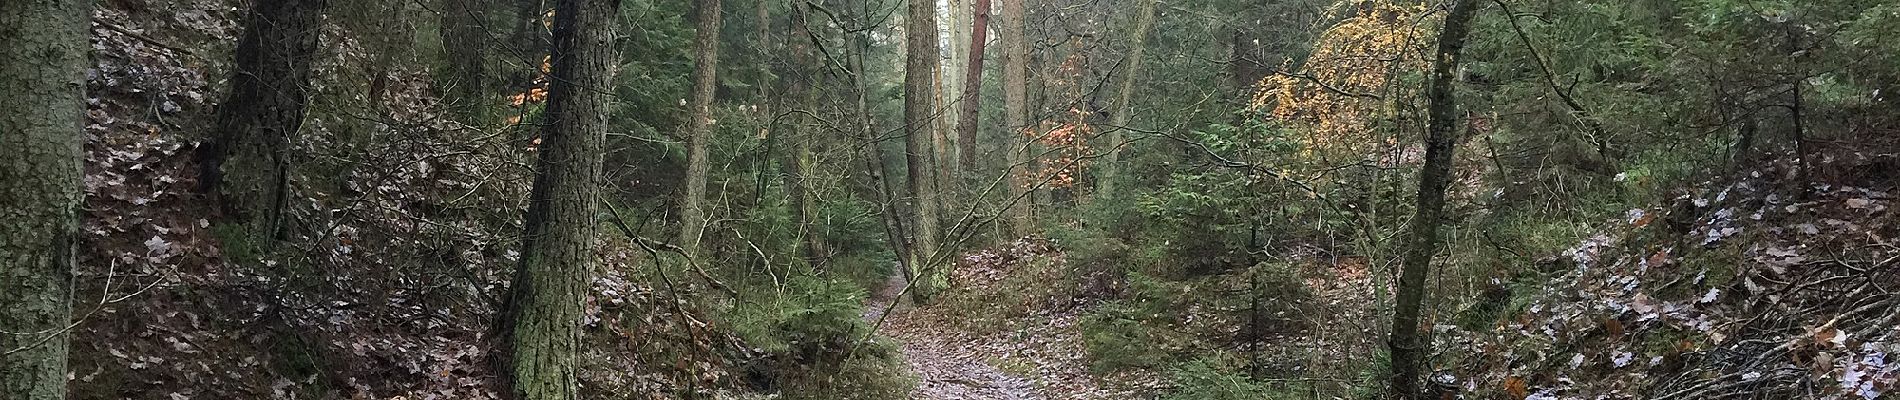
x=946, y=368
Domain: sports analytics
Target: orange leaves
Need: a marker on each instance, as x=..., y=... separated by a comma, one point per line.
x=536, y=94
x=1067, y=139
x=533, y=95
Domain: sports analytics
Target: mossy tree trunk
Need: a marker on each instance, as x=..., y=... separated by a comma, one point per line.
x=920, y=66
x=44, y=45
x=1408, y=344
x=699, y=131
x=541, y=327
x=245, y=164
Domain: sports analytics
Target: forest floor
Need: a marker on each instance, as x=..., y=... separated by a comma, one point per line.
x=963, y=347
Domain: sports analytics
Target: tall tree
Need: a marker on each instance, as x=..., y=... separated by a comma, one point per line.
x=245, y=164
x=951, y=76
x=1016, y=110
x=699, y=131
x=44, y=43
x=799, y=165
x=1137, y=40
x=973, y=86
x=1407, y=343
x=920, y=108
x=467, y=91
x=541, y=325
x=857, y=48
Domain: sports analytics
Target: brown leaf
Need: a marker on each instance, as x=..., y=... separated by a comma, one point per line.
x=1614, y=327
x=1516, y=387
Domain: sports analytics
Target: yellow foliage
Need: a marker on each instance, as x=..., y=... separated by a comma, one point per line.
x=1342, y=91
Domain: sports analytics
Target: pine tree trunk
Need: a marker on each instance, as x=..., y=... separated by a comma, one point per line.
x=705, y=71
x=44, y=45
x=542, y=321
x=1111, y=162
x=919, y=110
x=973, y=87
x=1016, y=112
x=245, y=164
x=1407, y=343
x=467, y=91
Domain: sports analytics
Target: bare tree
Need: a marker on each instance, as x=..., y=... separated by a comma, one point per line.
x=1408, y=345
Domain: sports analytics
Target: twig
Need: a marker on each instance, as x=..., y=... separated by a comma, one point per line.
x=141, y=37
x=653, y=247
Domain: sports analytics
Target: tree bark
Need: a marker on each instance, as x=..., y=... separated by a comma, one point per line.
x=1111, y=162
x=919, y=109
x=542, y=321
x=1016, y=112
x=705, y=71
x=973, y=87
x=1407, y=343
x=245, y=164
x=44, y=43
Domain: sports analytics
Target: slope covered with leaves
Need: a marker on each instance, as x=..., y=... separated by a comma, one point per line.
x=1747, y=288
x=407, y=227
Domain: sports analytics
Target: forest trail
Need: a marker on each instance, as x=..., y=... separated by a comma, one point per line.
x=945, y=368
x=994, y=335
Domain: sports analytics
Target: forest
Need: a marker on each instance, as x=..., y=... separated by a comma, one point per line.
x=949, y=199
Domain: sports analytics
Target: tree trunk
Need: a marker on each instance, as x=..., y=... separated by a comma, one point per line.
x=705, y=71
x=542, y=321
x=1111, y=162
x=467, y=91
x=919, y=109
x=245, y=163
x=949, y=149
x=798, y=163
x=871, y=153
x=973, y=87
x=44, y=43
x=1407, y=344
x=1016, y=112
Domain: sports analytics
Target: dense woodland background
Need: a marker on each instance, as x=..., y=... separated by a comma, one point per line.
x=989, y=199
